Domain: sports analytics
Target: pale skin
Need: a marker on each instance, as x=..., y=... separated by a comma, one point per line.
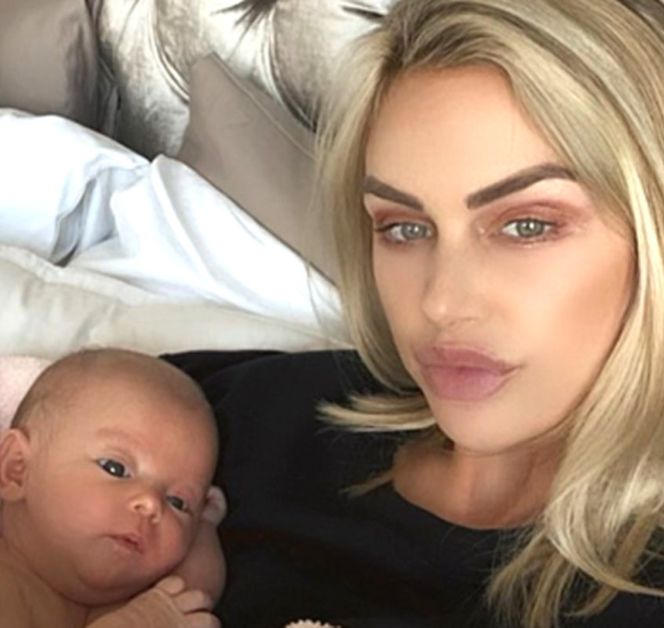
x=496, y=248
x=107, y=518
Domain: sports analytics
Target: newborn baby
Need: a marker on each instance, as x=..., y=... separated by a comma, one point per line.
x=107, y=515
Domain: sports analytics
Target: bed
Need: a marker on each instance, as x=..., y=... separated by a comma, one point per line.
x=156, y=174
x=156, y=177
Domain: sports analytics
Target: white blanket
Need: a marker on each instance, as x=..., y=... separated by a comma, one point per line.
x=102, y=247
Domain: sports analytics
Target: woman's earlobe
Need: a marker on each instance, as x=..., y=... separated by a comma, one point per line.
x=14, y=450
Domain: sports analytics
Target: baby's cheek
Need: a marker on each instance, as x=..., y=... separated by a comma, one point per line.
x=182, y=538
x=177, y=538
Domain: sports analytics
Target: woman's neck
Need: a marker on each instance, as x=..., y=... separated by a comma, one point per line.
x=476, y=491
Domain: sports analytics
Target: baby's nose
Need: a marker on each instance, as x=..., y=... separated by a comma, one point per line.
x=148, y=503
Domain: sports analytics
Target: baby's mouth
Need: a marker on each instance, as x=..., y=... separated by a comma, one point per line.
x=131, y=542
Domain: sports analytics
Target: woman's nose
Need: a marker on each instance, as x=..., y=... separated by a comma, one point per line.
x=148, y=503
x=452, y=294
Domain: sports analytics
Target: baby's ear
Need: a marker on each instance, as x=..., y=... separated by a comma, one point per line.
x=14, y=453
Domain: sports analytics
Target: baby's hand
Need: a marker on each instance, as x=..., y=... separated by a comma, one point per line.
x=169, y=604
x=204, y=566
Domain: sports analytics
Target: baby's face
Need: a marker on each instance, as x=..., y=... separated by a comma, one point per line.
x=116, y=490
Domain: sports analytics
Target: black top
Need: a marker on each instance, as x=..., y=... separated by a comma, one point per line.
x=298, y=546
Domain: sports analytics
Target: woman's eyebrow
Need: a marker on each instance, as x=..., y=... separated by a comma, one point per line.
x=379, y=188
x=514, y=183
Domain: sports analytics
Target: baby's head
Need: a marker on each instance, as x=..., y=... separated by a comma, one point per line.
x=105, y=472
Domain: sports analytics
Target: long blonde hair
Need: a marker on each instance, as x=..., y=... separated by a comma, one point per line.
x=590, y=74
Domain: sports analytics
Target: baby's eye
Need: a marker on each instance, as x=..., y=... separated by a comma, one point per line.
x=113, y=467
x=527, y=228
x=177, y=502
x=405, y=232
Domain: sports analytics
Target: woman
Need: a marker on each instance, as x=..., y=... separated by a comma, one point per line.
x=494, y=171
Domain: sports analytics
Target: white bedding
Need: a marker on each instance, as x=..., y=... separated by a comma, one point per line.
x=99, y=246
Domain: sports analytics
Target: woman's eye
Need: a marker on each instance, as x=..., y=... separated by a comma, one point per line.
x=113, y=467
x=404, y=232
x=177, y=502
x=527, y=229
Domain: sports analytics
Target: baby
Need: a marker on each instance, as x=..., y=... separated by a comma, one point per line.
x=107, y=519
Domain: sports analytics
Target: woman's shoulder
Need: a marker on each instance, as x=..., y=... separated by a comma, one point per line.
x=626, y=609
x=268, y=404
x=304, y=376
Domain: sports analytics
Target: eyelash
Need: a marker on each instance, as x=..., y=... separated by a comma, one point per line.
x=106, y=464
x=185, y=506
x=551, y=230
x=387, y=236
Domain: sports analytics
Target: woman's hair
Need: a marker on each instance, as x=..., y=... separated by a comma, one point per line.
x=590, y=74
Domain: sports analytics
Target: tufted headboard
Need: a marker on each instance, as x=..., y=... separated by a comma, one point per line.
x=286, y=48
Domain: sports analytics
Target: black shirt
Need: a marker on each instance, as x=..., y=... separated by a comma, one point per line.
x=299, y=546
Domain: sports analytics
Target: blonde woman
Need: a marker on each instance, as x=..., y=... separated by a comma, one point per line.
x=495, y=173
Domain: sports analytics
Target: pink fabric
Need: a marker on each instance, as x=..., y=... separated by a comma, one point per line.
x=305, y=623
x=17, y=373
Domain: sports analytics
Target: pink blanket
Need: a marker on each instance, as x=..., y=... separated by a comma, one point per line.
x=17, y=372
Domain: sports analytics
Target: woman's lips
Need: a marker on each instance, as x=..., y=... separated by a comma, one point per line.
x=457, y=374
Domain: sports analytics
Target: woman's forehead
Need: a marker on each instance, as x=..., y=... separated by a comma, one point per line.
x=460, y=127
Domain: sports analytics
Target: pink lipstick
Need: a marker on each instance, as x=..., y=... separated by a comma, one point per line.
x=462, y=374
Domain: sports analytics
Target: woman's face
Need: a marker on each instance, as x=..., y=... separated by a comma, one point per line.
x=503, y=284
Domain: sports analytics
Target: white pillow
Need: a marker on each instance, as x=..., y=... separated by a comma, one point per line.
x=56, y=179
x=48, y=311
x=83, y=200
x=177, y=235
